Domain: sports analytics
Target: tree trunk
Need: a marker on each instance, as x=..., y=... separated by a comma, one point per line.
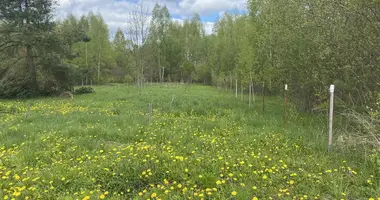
x=163, y=74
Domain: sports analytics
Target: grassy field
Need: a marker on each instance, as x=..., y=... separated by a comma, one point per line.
x=205, y=145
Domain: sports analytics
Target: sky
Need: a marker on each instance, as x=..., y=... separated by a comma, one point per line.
x=115, y=12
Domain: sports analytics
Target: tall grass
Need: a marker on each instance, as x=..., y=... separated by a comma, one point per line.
x=204, y=144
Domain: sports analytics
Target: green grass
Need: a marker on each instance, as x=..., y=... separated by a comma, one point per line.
x=207, y=144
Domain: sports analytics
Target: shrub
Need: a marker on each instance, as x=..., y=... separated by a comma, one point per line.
x=84, y=90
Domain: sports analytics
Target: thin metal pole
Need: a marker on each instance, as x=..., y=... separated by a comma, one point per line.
x=332, y=87
x=285, y=103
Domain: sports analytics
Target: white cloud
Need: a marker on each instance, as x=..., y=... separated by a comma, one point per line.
x=115, y=12
x=209, y=26
x=205, y=7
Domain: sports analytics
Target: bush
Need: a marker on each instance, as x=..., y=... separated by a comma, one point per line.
x=84, y=90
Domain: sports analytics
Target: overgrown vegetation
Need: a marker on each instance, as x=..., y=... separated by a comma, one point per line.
x=198, y=145
x=206, y=144
x=306, y=44
x=84, y=90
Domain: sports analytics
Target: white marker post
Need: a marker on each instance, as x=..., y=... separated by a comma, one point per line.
x=332, y=87
x=285, y=103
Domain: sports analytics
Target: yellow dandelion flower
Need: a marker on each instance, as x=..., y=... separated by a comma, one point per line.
x=86, y=198
x=16, y=193
x=233, y=193
x=218, y=182
x=291, y=182
x=265, y=177
x=154, y=195
x=102, y=196
x=179, y=185
x=17, y=177
x=255, y=198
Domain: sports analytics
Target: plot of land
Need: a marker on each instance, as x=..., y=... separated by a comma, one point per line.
x=206, y=144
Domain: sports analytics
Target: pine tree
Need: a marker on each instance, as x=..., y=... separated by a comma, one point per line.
x=25, y=30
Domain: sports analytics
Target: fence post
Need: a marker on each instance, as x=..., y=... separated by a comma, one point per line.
x=285, y=103
x=332, y=87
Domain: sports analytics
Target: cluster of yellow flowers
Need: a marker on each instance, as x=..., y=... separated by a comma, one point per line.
x=179, y=156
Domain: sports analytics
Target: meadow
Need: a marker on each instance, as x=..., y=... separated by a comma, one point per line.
x=206, y=144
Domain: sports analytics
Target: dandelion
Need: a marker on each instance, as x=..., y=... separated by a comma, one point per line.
x=86, y=198
x=218, y=182
x=16, y=193
x=255, y=198
x=102, y=196
x=233, y=193
x=154, y=195
x=291, y=182
x=265, y=177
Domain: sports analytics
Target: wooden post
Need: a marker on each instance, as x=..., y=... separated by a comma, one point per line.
x=172, y=100
x=285, y=103
x=150, y=113
x=236, y=88
x=332, y=87
x=263, y=97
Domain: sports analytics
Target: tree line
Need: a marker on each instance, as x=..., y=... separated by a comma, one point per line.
x=305, y=44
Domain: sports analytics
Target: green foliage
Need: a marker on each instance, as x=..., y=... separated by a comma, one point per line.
x=84, y=90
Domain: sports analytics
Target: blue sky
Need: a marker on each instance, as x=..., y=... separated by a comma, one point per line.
x=115, y=12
